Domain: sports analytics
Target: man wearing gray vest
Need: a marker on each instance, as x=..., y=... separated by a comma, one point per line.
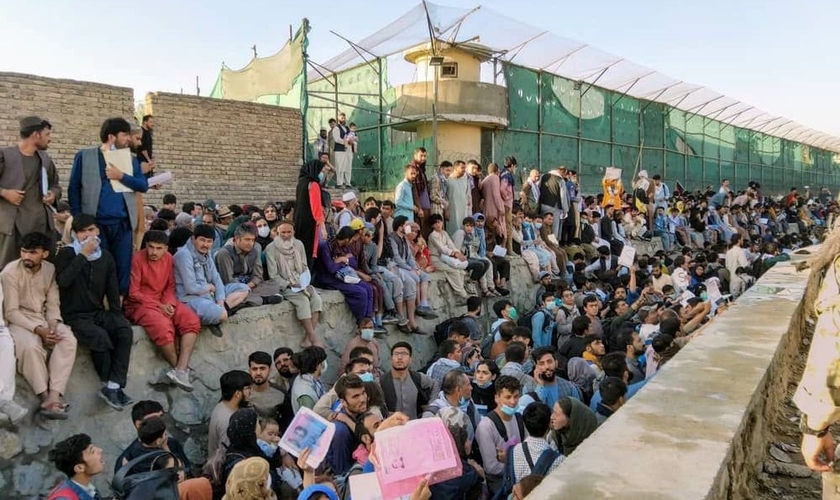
x=28, y=186
x=90, y=192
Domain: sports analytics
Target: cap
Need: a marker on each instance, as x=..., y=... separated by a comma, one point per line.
x=370, y=228
x=348, y=197
x=62, y=206
x=31, y=122
x=224, y=212
x=543, y=275
x=357, y=224
x=210, y=205
x=478, y=215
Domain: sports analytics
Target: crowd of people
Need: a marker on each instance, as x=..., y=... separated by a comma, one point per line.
x=517, y=397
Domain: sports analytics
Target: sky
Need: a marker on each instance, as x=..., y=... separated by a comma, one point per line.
x=774, y=54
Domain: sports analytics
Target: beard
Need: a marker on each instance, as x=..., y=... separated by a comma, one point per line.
x=286, y=373
x=548, y=376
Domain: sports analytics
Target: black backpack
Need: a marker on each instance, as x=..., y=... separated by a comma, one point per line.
x=442, y=329
x=525, y=319
x=161, y=484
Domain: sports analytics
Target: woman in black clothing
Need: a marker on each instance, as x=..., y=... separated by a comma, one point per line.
x=483, y=388
x=242, y=434
x=311, y=205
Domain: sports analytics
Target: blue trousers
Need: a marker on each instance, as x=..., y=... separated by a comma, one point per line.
x=118, y=239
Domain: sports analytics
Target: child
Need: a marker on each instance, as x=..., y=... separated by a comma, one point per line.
x=352, y=139
x=153, y=437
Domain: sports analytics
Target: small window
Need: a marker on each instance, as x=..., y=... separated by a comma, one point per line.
x=449, y=70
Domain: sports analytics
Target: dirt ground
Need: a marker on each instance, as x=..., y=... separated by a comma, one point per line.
x=778, y=481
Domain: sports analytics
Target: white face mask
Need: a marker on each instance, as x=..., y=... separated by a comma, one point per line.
x=263, y=231
x=407, y=229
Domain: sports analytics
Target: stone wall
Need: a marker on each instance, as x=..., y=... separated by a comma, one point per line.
x=230, y=151
x=75, y=109
x=25, y=470
x=698, y=429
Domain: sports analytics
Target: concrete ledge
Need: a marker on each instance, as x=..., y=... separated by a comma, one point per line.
x=696, y=431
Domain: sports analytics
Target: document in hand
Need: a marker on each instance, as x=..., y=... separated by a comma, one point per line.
x=161, y=178
x=626, y=257
x=308, y=430
x=408, y=453
x=121, y=159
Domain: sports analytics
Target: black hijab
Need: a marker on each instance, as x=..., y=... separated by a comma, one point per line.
x=304, y=220
x=242, y=433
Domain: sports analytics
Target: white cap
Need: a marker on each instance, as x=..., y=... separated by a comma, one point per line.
x=348, y=196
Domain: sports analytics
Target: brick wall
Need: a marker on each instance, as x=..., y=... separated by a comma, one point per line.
x=75, y=109
x=230, y=151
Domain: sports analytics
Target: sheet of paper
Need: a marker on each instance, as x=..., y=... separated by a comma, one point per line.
x=305, y=280
x=415, y=449
x=628, y=253
x=713, y=289
x=685, y=296
x=612, y=173
x=121, y=159
x=763, y=220
x=499, y=251
x=45, y=182
x=161, y=178
x=365, y=487
x=308, y=430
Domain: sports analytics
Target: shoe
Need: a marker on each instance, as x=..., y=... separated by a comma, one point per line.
x=504, y=292
x=390, y=319
x=404, y=328
x=216, y=330
x=352, y=280
x=471, y=289
x=124, y=398
x=401, y=322
x=53, y=414
x=13, y=411
x=425, y=312
x=272, y=299
x=111, y=398
x=379, y=330
x=181, y=379
x=160, y=378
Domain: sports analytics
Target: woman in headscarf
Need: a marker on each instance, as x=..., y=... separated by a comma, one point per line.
x=242, y=219
x=311, y=206
x=333, y=256
x=250, y=479
x=242, y=434
x=571, y=422
x=583, y=376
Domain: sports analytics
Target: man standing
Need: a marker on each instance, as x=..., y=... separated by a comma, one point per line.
x=460, y=199
x=502, y=428
x=151, y=303
x=507, y=188
x=241, y=263
x=90, y=192
x=80, y=461
x=86, y=277
x=554, y=198
x=405, y=390
x=24, y=168
x=198, y=284
x=343, y=151
x=145, y=152
x=403, y=197
x=437, y=190
x=235, y=386
x=353, y=396
x=32, y=310
x=265, y=397
x=421, y=191
x=286, y=263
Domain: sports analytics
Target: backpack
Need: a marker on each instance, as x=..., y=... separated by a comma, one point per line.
x=525, y=319
x=500, y=426
x=442, y=329
x=543, y=465
x=153, y=484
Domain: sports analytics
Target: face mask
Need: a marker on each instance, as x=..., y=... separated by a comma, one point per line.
x=463, y=402
x=538, y=225
x=267, y=448
x=704, y=296
x=321, y=177
x=508, y=410
x=263, y=231
x=366, y=377
x=551, y=306
x=367, y=334
x=512, y=314
x=485, y=385
x=407, y=229
x=324, y=368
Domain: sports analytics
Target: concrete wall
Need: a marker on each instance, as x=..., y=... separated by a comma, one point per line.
x=230, y=151
x=697, y=430
x=75, y=109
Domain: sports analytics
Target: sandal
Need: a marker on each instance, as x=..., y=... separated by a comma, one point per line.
x=55, y=411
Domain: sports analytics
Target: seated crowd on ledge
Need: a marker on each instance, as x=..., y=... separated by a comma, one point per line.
x=517, y=398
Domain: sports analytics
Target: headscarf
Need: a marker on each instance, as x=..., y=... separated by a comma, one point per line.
x=231, y=230
x=582, y=423
x=77, y=246
x=242, y=433
x=249, y=481
x=291, y=265
x=197, y=488
x=305, y=224
x=582, y=375
x=317, y=489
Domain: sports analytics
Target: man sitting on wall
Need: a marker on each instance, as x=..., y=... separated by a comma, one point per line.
x=240, y=261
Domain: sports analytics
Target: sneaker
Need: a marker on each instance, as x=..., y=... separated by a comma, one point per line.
x=216, y=330
x=425, y=312
x=124, y=398
x=111, y=398
x=390, y=319
x=272, y=299
x=471, y=289
x=402, y=322
x=181, y=379
x=13, y=411
x=379, y=330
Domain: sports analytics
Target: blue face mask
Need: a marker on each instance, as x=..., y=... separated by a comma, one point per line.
x=321, y=177
x=538, y=225
x=508, y=410
x=267, y=448
x=463, y=402
x=485, y=385
x=366, y=377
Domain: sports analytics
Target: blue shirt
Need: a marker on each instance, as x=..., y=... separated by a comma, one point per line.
x=631, y=391
x=111, y=204
x=541, y=329
x=561, y=388
x=340, y=455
